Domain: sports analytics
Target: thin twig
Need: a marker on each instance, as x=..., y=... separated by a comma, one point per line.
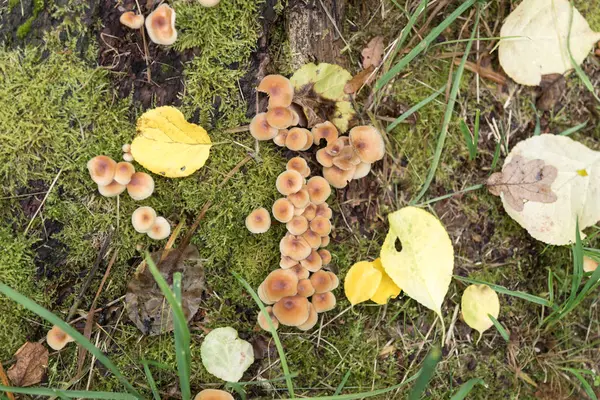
x=5, y=382
x=43, y=202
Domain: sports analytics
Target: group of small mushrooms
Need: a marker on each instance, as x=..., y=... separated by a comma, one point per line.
x=304, y=209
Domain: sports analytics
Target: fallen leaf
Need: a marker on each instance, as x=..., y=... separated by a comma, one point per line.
x=477, y=302
x=553, y=86
x=484, y=72
x=423, y=267
x=524, y=180
x=146, y=305
x=387, y=289
x=225, y=355
x=373, y=53
x=358, y=80
x=576, y=187
x=538, y=45
x=168, y=145
x=31, y=365
x=361, y=282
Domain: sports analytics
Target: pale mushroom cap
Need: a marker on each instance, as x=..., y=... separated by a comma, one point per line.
x=323, y=210
x=589, y=264
x=300, y=271
x=324, y=158
x=297, y=225
x=318, y=190
x=123, y=172
x=334, y=279
x=213, y=394
x=292, y=311
x=321, y=281
x=300, y=199
x=127, y=157
x=279, y=139
x=313, y=262
x=143, y=219
x=337, y=146
x=298, y=164
x=297, y=138
x=279, y=89
x=368, y=143
x=160, y=230
x=323, y=301
x=112, y=189
x=57, y=339
x=313, y=239
x=287, y=262
x=283, y=210
x=299, y=211
x=280, y=117
x=295, y=117
x=141, y=186
x=325, y=241
x=102, y=169
x=325, y=256
x=280, y=283
x=347, y=159
x=263, y=322
x=309, y=140
x=305, y=288
x=325, y=130
x=209, y=3
x=310, y=212
x=258, y=221
x=126, y=148
x=313, y=317
x=294, y=247
x=362, y=170
x=263, y=295
x=321, y=226
x=133, y=21
x=338, y=178
x=260, y=128
x=289, y=182
x=160, y=25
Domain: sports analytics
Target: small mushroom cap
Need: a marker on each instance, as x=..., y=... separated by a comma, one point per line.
x=283, y=210
x=297, y=225
x=323, y=210
x=112, y=189
x=313, y=317
x=321, y=226
x=294, y=247
x=589, y=264
x=287, y=262
x=325, y=256
x=143, y=219
x=347, y=159
x=318, y=190
x=300, y=271
x=299, y=211
x=289, y=182
x=102, y=169
x=338, y=178
x=325, y=241
x=160, y=230
x=57, y=339
x=280, y=283
x=132, y=20
x=123, y=172
x=298, y=164
x=209, y=3
x=295, y=117
x=258, y=221
x=127, y=157
x=313, y=262
x=321, y=281
x=292, y=311
x=324, y=158
x=361, y=170
x=297, y=139
x=305, y=288
x=300, y=199
x=213, y=394
x=160, y=25
x=368, y=143
x=337, y=146
x=279, y=88
x=280, y=117
x=313, y=239
x=263, y=322
x=260, y=128
x=309, y=140
x=310, y=211
x=126, y=148
x=323, y=301
x=141, y=186
x=334, y=279
x=279, y=139
x=325, y=130
x=263, y=296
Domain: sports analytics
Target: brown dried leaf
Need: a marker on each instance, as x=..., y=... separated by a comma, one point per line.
x=30, y=368
x=553, y=86
x=146, y=305
x=373, y=53
x=358, y=80
x=522, y=180
x=484, y=72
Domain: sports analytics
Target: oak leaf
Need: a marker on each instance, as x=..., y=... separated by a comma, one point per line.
x=31, y=365
x=373, y=53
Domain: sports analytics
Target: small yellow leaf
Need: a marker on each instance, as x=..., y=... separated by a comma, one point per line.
x=168, y=145
x=477, y=302
x=362, y=281
x=387, y=288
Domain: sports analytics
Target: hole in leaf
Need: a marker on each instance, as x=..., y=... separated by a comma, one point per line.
x=398, y=245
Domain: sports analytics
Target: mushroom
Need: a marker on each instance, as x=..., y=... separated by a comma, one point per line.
x=346, y=159
x=280, y=283
x=213, y=394
x=313, y=317
x=313, y=262
x=298, y=164
x=297, y=225
x=321, y=281
x=289, y=182
x=325, y=241
x=368, y=143
x=143, y=219
x=279, y=89
x=126, y=148
x=295, y=117
x=123, y=172
x=324, y=158
x=57, y=339
x=283, y=210
x=287, y=262
x=305, y=288
x=334, y=279
x=299, y=211
x=160, y=230
x=280, y=117
x=321, y=226
x=338, y=178
x=112, y=189
x=323, y=210
x=309, y=140
x=313, y=239
x=589, y=264
x=294, y=247
x=325, y=130
x=258, y=221
x=260, y=128
x=325, y=256
x=209, y=3
x=263, y=322
x=361, y=170
x=279, y=139
x=297, y=138
x=318, y=190
x=127, y=157
x=300, y=199
x=337, y=146
x=292, y=311
x=160, y=25
x=323, y=302
x=310, y=211
x=141, y=186
x=102, y=169
x=263, y=296
x=133, y=21
x=300, y=271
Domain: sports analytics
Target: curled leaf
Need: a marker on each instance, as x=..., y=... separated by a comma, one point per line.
x=361, y=282
x=373, y=53
x=387, y=289
x=477, y=302
x=31, y=365
x=225, y=355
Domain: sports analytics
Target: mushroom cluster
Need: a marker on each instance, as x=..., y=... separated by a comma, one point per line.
x=160, y=24
x=114, y=177
x=127, y=156
x=145, y=220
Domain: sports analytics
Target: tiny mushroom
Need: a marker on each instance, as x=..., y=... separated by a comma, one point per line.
x=323, y=301
x=160, y=25
x=325, y=241
x=289, y=182
x=126, y=148
x=279, y=89
x=258, y=221
x=260, y=128
x=300, y=271
x=57, y=339
x=313, y=317
x=112, y=189
x=309, y=140
x=310, y=212
x=338, y=178
x=279, y=139
x=280, y=283
x=297, y=138
x=143, y=219
x=298, y=164
x=361, y=170
x=313, y=262
x=294, y=247
x=321, y=226
x=312, y=238
x=323, y=210
x=334, y=279
x=318, y=190
x=321, y=281
x=132, y=20
x=305, y=288
x=160, y=230
x=325, y=130
x=287, y=262
x=102, y=169
x=347, y=159
x=283, y=210
x=127, y=157
x=263, y=295
x=368, y=143
x=324, y=158
x=292, y=311
x=123, y=172
x=325, y=256
x=263, y=322
x=300, y=199
x=280, y=117
x=213, y=394
x=297, y=225
x=141, y=186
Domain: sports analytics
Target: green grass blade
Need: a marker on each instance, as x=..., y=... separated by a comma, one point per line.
x=577, y=250
x=340, y=387
x=468, y=139
x=406, y=31
x=426, y=373
x=500, y=328
x=496, y=157
x=466, y=388
x=580, y=73
x=551, y=285
x=68, y=329
x=501, y=289
x=586, y=386
x=476, y=128
x=388, y=76
x=415, y=108
x=446, y=196
x=574, y=129
x=449, y=111
x=69, y=394
x=151, y=381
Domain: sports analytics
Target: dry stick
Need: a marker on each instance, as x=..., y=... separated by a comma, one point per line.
x=238, y=129
x=43, y=202
x=171, y=240
x=146, y=50
x=5, y=382
x=110, y=303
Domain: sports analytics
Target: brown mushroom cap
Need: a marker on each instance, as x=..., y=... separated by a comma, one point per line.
x=280, y=283
x=260, y=128
x=279, y=89
x=313, y=262
x=160, y=230
x=313, y=239
x=297, y=139
x=258, y=221
x=310, y=211
x=324, y=158
x=294, y=247
x=368, y=143
x=141, y=186
x=102, y=169
x=323, y=301
x=57, y=339
x=321, y=226
x=362, y=170
x=279, y=139
x=132, y=20
x=123, y=172
x=300, y=271
x=318, y=190
x=280, y=117
x=300, y=199
x=298, y=164
x=325, y=130
x=321, y=281
x=213, y=394
x=338, y=178
x=143, y=219
x=313, y=317
x=263, y=322
x=299, y=211
x=292, y=311
x=309, y=140
x=295, y=117
x=325, y=256
x=160, y=25
x=336, y=147
x=283, y=210
x=325, y=241
x=263, y=296
x=347, y=159
x=297, y=225
x=287, y=262
x=289, y=182
x=112, y=189
x=323, y=210
x=334, y=279
x=305, y=288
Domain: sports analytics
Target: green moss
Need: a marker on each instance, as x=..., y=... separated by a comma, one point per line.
x=25, y=28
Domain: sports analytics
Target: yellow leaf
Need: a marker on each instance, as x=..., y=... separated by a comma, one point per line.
x=477, y=302
x=423, y=267
x=362, y=281
x=387, y=288
x=168, y=145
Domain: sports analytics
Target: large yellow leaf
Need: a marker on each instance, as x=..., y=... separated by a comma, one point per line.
x=423, y=267
x=477, y=302
x=387, y=288
x=168, y=145
x=362, y=281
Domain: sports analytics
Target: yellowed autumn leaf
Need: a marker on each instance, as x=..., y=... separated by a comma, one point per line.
x=387, y=288
x=361, y=282
x=477, y=302
x=168, y=145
